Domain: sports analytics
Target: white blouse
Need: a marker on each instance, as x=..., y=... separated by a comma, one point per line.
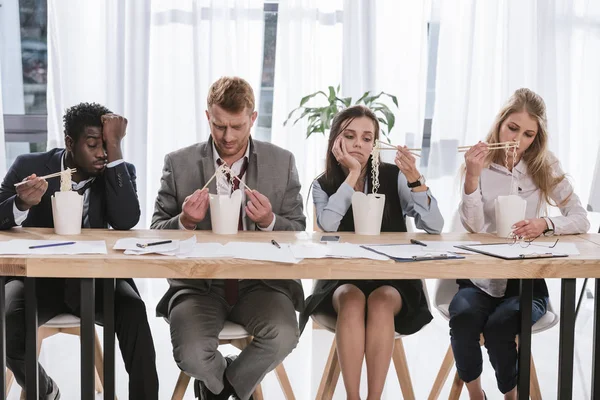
x=477, y=210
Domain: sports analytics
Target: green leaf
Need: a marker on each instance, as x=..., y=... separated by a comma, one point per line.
x=332, y=95
x=362, y=97
x=389, y=116
x=338, y=88
x=310, y=96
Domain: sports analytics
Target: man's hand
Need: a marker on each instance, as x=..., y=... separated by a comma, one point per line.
x=30, y=193
x=194, y=208
x=259, y=208
x=113, y=131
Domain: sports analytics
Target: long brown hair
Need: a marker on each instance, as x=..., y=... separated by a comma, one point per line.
x=537, y=156
x=334, y=174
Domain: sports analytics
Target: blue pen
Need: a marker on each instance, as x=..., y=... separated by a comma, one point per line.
x=41, y=246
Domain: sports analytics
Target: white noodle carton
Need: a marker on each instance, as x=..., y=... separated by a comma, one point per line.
x=225, y=212
x=67, y=212
x=368, y=213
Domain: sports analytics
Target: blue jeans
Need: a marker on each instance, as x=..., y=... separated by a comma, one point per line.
x=472, y=312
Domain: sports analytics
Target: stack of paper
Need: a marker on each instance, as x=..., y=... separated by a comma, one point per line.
x=53, y=247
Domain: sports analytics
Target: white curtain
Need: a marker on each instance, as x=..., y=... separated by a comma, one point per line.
x=385, y=49
x=153, y=62
x=308, y=59
x=2, y=144
x=486, y=51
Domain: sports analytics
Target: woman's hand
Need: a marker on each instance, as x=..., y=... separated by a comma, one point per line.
x=343, y=157
x=407, y=163
x=530, y=228
x=474, y=161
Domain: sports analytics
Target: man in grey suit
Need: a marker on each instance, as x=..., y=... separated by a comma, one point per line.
x=198, y=308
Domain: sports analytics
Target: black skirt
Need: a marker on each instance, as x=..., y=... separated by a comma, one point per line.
x=413, y=316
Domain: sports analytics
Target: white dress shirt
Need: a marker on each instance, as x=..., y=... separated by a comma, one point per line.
x=21, y=216
x=477, y=210
x=225, y=187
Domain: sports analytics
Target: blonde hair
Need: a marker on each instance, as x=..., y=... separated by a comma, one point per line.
x=231, y=93
x=537, y=157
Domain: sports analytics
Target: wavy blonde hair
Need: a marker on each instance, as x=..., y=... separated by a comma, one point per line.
x=537, y=156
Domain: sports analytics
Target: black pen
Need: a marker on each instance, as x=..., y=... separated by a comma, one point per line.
x=144, y=245
x=274, y=243
x=41, y=246
x=415, y=241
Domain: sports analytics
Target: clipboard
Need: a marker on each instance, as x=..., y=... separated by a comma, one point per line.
x=424, y=257
x=514, y=252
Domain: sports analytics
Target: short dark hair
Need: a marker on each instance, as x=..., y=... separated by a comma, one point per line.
x=82, y=115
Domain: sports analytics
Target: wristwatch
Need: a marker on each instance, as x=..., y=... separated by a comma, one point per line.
x=417, y=183
x=549, y=227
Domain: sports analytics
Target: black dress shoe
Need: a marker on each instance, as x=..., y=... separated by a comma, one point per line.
x=201, y=392
x=231, y=358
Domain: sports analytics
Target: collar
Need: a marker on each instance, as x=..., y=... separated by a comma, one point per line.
x=74, y=185
x=521, y=168
x=217, y=157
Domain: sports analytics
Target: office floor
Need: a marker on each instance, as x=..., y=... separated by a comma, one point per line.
x=425, y=350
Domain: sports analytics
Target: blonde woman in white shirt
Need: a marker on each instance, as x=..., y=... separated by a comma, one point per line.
x=491, y=306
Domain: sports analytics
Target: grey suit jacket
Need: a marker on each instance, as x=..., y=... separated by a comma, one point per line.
x=271, y=170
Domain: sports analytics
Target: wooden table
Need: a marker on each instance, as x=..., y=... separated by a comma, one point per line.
x=117, y=265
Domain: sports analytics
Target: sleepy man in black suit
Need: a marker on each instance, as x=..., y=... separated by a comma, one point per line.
x=93, y=146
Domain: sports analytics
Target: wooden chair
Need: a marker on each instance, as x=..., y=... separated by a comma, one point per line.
x=445, y=291
x=332, y=370
x=237, y=336
x=69, y=324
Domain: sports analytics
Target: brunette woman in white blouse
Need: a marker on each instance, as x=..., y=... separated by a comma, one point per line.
x=491, y=306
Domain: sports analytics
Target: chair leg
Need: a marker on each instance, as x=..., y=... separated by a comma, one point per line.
x=331, y=375
x=442, y=375
x=284, y=382
x=99, y=361
x=399, y=356
x=10, y=377
x=457, y=386
x=534, y=384
x=258, y=393
x=181, y=386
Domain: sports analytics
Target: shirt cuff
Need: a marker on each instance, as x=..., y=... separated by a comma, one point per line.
x=271, y=225
x=19, y=215
x=181, y=227
x=115, y=163
x=473, y=199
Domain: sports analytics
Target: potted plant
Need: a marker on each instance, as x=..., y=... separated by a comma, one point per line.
x=319, y=118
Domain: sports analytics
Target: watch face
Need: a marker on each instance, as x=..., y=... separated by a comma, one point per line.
x=548, y=232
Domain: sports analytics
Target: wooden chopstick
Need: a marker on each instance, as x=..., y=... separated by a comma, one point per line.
x=225, y=168
x=502, y=144
x=54, y=175
x=392, y=147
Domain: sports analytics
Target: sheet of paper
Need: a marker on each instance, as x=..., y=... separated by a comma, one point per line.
x=445, y=246
x=130, y=246
x=205, y=250
x=261, y=252
x=407, y=251
x=349, y=250
x=20, y=246
x=309, y=250
x=184, y=246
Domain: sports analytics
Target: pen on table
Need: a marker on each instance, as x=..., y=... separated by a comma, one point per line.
x=415, y=241
x=41, y=246
x=144, y=245
x=274, y=243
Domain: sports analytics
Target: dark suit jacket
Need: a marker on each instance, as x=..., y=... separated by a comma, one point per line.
x=271, y=170
x=113, y=199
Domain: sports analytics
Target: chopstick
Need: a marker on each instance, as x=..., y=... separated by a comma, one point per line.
x=493, y=145
x=54, y=175
x=392, y=147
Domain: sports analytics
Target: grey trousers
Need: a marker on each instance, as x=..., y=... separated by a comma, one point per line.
x=197, y=319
